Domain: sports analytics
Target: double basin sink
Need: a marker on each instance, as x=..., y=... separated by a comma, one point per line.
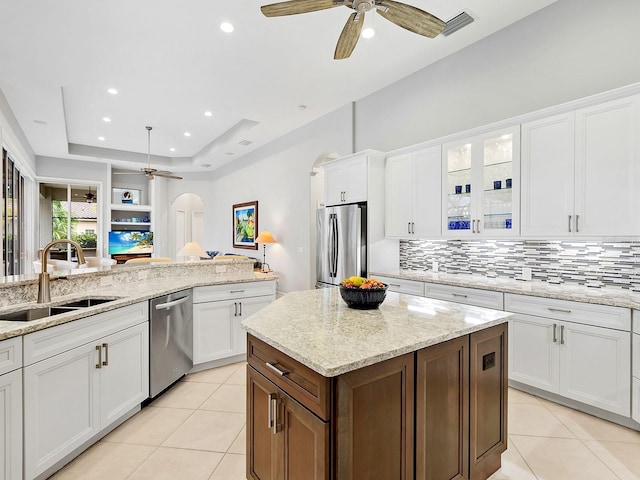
x=36, y=313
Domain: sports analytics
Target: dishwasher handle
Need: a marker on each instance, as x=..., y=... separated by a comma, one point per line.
x=173, y=303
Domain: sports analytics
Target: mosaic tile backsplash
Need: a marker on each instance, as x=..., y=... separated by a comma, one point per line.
x=592, y=264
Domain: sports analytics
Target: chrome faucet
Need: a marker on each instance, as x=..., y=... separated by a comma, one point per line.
x=44, y=287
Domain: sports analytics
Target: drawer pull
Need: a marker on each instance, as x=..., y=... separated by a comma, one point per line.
x=270, y=421
x=555, y=337
x=236, y=291
x=394, y=285
x=99, y=349
x=561, y=334
x=462, y=295
x=106, y=354
x=274, y=403
x=560, y=310
x=272, y=366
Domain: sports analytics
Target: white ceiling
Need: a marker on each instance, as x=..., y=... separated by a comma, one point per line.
x=171, y=62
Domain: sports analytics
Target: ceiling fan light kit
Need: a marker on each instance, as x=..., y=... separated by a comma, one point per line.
x=405, y=16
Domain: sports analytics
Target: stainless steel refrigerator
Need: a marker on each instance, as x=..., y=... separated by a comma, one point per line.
x=341, y=243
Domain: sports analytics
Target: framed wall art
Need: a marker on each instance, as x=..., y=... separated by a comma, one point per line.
x=245, y=225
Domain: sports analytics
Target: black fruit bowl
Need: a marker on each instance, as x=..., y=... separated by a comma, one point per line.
x=363, y=298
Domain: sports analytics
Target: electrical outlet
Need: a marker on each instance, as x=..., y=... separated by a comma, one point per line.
x=526, y=273
x=435, y=266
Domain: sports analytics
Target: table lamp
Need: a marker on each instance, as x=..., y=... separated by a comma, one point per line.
x=264, y=238
x=193, y=251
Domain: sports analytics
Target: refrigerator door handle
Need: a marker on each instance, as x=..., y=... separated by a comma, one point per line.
x=334, y=226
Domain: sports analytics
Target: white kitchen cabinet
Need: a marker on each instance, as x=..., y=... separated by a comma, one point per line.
x=85, y=385
x=466, y=295
x=218, y=311
x=346, y=179
x=566, y=352
x=11, y=409
x=402, y=285
x=548, y=170
x=481, y=185
x=635, y=395
x=413, y=194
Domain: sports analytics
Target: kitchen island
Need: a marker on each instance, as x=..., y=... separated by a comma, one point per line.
x=414, y=389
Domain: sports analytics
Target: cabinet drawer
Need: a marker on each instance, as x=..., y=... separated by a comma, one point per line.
x=52, y=341
x=212, y=293
x=306, y=386
x=401, y=285
x=587, y=313
x=635, y=354
x=10, y=354
x=468, y=296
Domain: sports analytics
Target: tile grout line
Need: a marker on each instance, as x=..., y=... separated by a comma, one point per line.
x=522, y=457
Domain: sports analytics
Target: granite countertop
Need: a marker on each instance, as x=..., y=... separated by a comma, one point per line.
x=601, y=296
x=317, y=328
x=126, y=294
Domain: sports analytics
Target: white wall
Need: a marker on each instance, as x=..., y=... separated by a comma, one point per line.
x=569, y=50
x=277, y=176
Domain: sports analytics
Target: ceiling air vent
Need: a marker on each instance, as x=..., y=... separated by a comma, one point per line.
x=245, y=142
x=456, y=23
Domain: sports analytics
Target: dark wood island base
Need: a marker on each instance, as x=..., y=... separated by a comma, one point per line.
x=439, y=413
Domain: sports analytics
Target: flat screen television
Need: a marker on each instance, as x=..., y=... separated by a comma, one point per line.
x=130, y=242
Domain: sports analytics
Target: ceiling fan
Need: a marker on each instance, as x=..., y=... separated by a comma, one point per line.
x=89, y=196
x=149, y=172
x=408, y=17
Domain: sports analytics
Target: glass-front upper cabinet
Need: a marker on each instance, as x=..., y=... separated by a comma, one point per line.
x=481, y=178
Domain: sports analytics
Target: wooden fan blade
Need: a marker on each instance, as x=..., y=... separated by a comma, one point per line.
x=165, y=175
x=349, y=36
x=293, y=7
x=411, y=18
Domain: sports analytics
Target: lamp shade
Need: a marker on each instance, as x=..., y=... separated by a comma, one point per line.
x=192, y=249
x=265, y=237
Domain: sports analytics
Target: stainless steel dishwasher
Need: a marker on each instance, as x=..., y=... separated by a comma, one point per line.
x=171, y=339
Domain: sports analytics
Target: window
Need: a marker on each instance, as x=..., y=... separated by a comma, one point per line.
x=12, y=183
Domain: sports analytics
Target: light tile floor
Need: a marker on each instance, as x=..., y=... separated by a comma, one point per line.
x=196, y=431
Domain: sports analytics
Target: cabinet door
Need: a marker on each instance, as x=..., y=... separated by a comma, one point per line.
x=548, y=176
x=488, y=400
x=426, y=197
x=304, y=441
x=458, y=188
x=245, y=308
x=262, y=451
x=442, y=411
x=595, y=366
x=398, y=198
x=608, y=168
x=334, y=184
x=11, y=425
x=124, y=376
x=374, y=413
x=60, y=407
x=533, y=352
x=355, y=173
x=213, y=330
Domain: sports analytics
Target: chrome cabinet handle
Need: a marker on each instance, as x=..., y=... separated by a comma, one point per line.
x=569, y=223
x=577, y=220
x=99, y=349
x=478, y=228
x=459, y=295
x=270, y=410
x=394, y=285
x=555, y=338
x=561, y=334
x=274, y=402
x=409, y=227
x=106, y=354
x=413, y=228
x=272, y=366
x=560, y=310
x=236, y=291
x=473, y=226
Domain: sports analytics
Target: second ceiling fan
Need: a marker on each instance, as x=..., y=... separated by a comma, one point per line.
x=408, y=17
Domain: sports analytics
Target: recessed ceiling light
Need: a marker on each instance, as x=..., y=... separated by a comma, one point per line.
x=208, y=113
x=102, y=139
x=172, y=149
x=368, y=33
x=40, y=122
x=187, y=134
x=229, y=153
x=226, y=27
x=106, y=119
x=112, y=91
